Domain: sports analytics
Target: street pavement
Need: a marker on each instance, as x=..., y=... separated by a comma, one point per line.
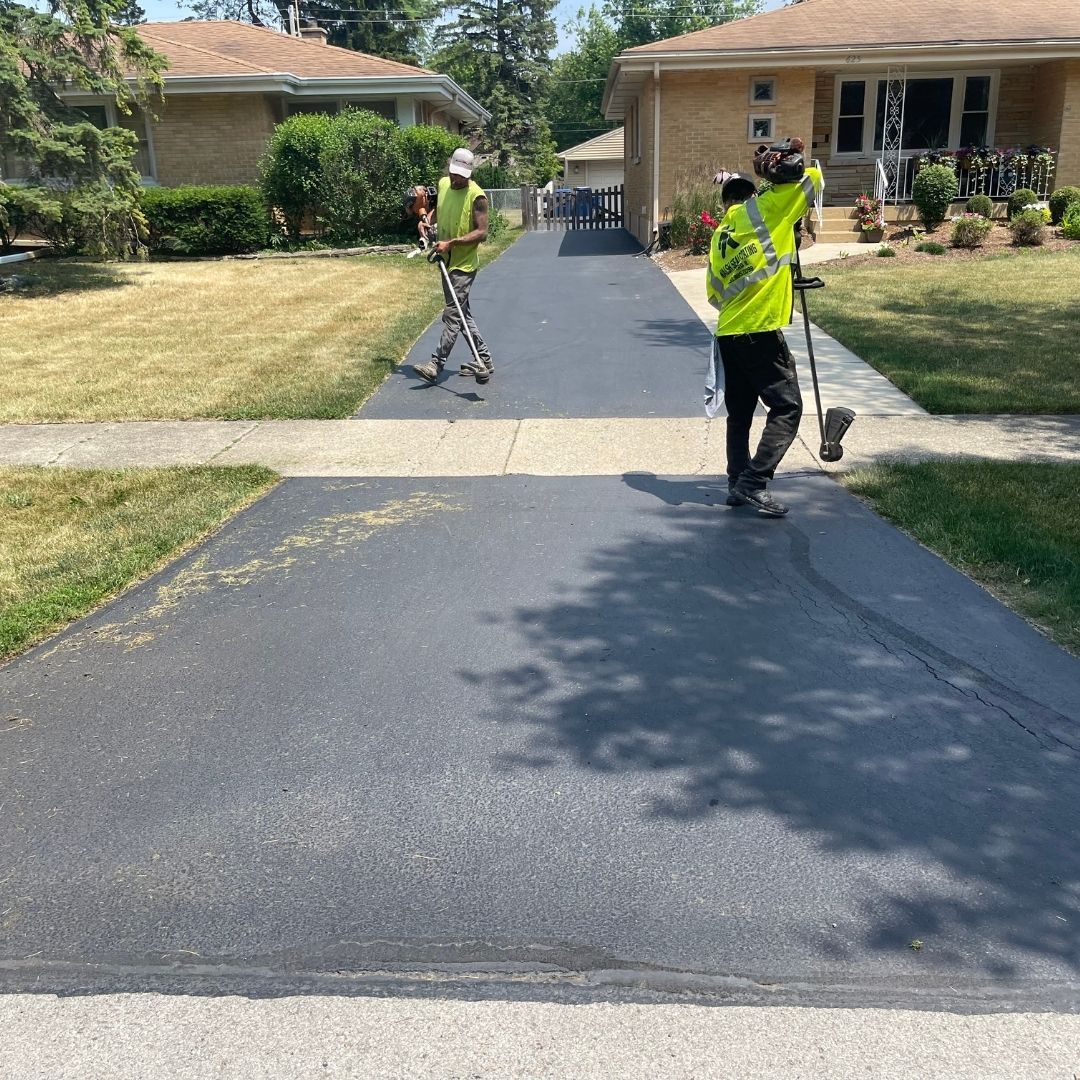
x=554, y=740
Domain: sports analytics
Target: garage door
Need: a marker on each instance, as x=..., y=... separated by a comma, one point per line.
x=604, y=174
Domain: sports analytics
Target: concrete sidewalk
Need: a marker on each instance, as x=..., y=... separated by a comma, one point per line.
x=608, y=446
x=121, y=1037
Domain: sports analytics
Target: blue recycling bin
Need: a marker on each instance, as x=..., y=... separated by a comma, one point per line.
x=583, y=203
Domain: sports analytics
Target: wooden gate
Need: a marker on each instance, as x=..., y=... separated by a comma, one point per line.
x=572, y=208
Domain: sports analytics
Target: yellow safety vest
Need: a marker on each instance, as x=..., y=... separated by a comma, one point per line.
x=749, y=276
x=454, y=212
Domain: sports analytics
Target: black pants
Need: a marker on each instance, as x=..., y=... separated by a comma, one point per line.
x=759, y=367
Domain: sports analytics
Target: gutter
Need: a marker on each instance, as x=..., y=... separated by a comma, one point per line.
x=654, y=225
x=441, y=86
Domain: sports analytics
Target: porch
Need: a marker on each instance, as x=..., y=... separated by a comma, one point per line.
x=999, y=129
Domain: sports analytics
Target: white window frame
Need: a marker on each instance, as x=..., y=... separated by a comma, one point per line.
x=872, y=79
x=756, y=103
x=753, y=119
x=112, y=116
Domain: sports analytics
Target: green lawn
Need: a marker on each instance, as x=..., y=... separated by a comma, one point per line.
x=71, y=538
x=1014, y=527
x=265, y=339
x=996, y=334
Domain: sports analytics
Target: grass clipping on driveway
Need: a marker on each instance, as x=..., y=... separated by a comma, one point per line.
x=981, y=335
x=70, y=538
x=240, y=339
x=1013, y=527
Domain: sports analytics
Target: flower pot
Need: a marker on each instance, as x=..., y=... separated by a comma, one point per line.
x=873, y=236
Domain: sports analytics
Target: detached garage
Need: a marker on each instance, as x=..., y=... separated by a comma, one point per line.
x=597, y=163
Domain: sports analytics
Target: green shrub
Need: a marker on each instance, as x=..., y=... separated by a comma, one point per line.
x=687, y=209
x=1061, y=200
x=497, y=223
x=427, y=152
x=886, y=252
x=98, y=220
x=291, y=172
x=980, y=204
x=23, y=209
x=206, y=220
x=970, y=231
x=935, y=187
x=1028, y=228
x=364, y=172
x=931, y=247
x=1020, y=198
x=1070, y=224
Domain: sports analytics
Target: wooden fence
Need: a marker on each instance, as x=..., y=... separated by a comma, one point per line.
x=571, y=208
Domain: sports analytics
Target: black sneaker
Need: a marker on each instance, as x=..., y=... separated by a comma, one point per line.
x=762, y=500
x=430, y=371
x=732, y=498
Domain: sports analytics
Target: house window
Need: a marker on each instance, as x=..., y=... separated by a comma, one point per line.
x=975, y=121
x=927, y=114
x=940, y=112
x=851, y=118
x=760, y=128
x=762, y=91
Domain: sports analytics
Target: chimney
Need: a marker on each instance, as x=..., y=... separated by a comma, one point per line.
x=312, y=31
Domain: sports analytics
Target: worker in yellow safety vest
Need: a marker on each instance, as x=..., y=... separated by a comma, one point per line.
x=749, y=280
x=461, y=214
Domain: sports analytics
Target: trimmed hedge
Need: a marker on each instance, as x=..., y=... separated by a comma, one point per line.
x=206, y=220
x=935, y=187
x=1060, y=202
x=1020, y=198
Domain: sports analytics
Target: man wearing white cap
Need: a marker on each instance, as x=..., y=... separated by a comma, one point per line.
x=462, y=215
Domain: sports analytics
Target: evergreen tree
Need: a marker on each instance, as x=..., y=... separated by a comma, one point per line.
x=80, y=46
x=499, y=51
x=129, y=13
x=641, y=22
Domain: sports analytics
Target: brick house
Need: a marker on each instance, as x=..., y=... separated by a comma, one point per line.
x=229, y=83
x=873, y=93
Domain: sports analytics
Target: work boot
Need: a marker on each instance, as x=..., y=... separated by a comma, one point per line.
x=430, y=371
x=762, y=500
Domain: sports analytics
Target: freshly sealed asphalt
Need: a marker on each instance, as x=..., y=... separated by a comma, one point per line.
x=538, y=725
x=577, y=327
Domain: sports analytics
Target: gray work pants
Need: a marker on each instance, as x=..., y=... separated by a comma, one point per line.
x=462, y=281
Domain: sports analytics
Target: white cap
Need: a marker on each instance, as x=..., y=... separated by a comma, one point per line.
x=462, y=162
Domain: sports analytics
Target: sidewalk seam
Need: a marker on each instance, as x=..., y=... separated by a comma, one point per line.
x=513, y=446
x=255, y=425
x=79, y=442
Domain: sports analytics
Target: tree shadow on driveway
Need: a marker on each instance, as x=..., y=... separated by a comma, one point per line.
x=714, y=669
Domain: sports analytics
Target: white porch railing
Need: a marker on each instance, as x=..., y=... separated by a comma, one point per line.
x=998, y=178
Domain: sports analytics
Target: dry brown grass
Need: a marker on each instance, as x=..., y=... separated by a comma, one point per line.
x=274, y=338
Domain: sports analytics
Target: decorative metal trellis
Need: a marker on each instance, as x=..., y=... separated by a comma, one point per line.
x=892, y=141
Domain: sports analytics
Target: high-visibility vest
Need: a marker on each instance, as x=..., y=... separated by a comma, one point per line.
x=454, y=212
x=753, y=248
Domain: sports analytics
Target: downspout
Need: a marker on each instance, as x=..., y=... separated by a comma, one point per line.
x=655, y=226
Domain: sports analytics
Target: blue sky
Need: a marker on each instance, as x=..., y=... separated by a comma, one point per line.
x=169, y=10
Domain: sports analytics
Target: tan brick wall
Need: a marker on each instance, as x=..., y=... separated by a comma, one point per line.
x=1057, y=119
x=824, y=99
x=1016, y=103
x=704, y=117
x=212, y=138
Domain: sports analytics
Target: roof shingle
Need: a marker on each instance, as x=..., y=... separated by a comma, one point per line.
x=222, y=47
x=857, y=25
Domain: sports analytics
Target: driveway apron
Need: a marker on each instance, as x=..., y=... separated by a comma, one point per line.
x=534, y=726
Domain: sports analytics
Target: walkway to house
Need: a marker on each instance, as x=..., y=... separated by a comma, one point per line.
x=546, y=734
